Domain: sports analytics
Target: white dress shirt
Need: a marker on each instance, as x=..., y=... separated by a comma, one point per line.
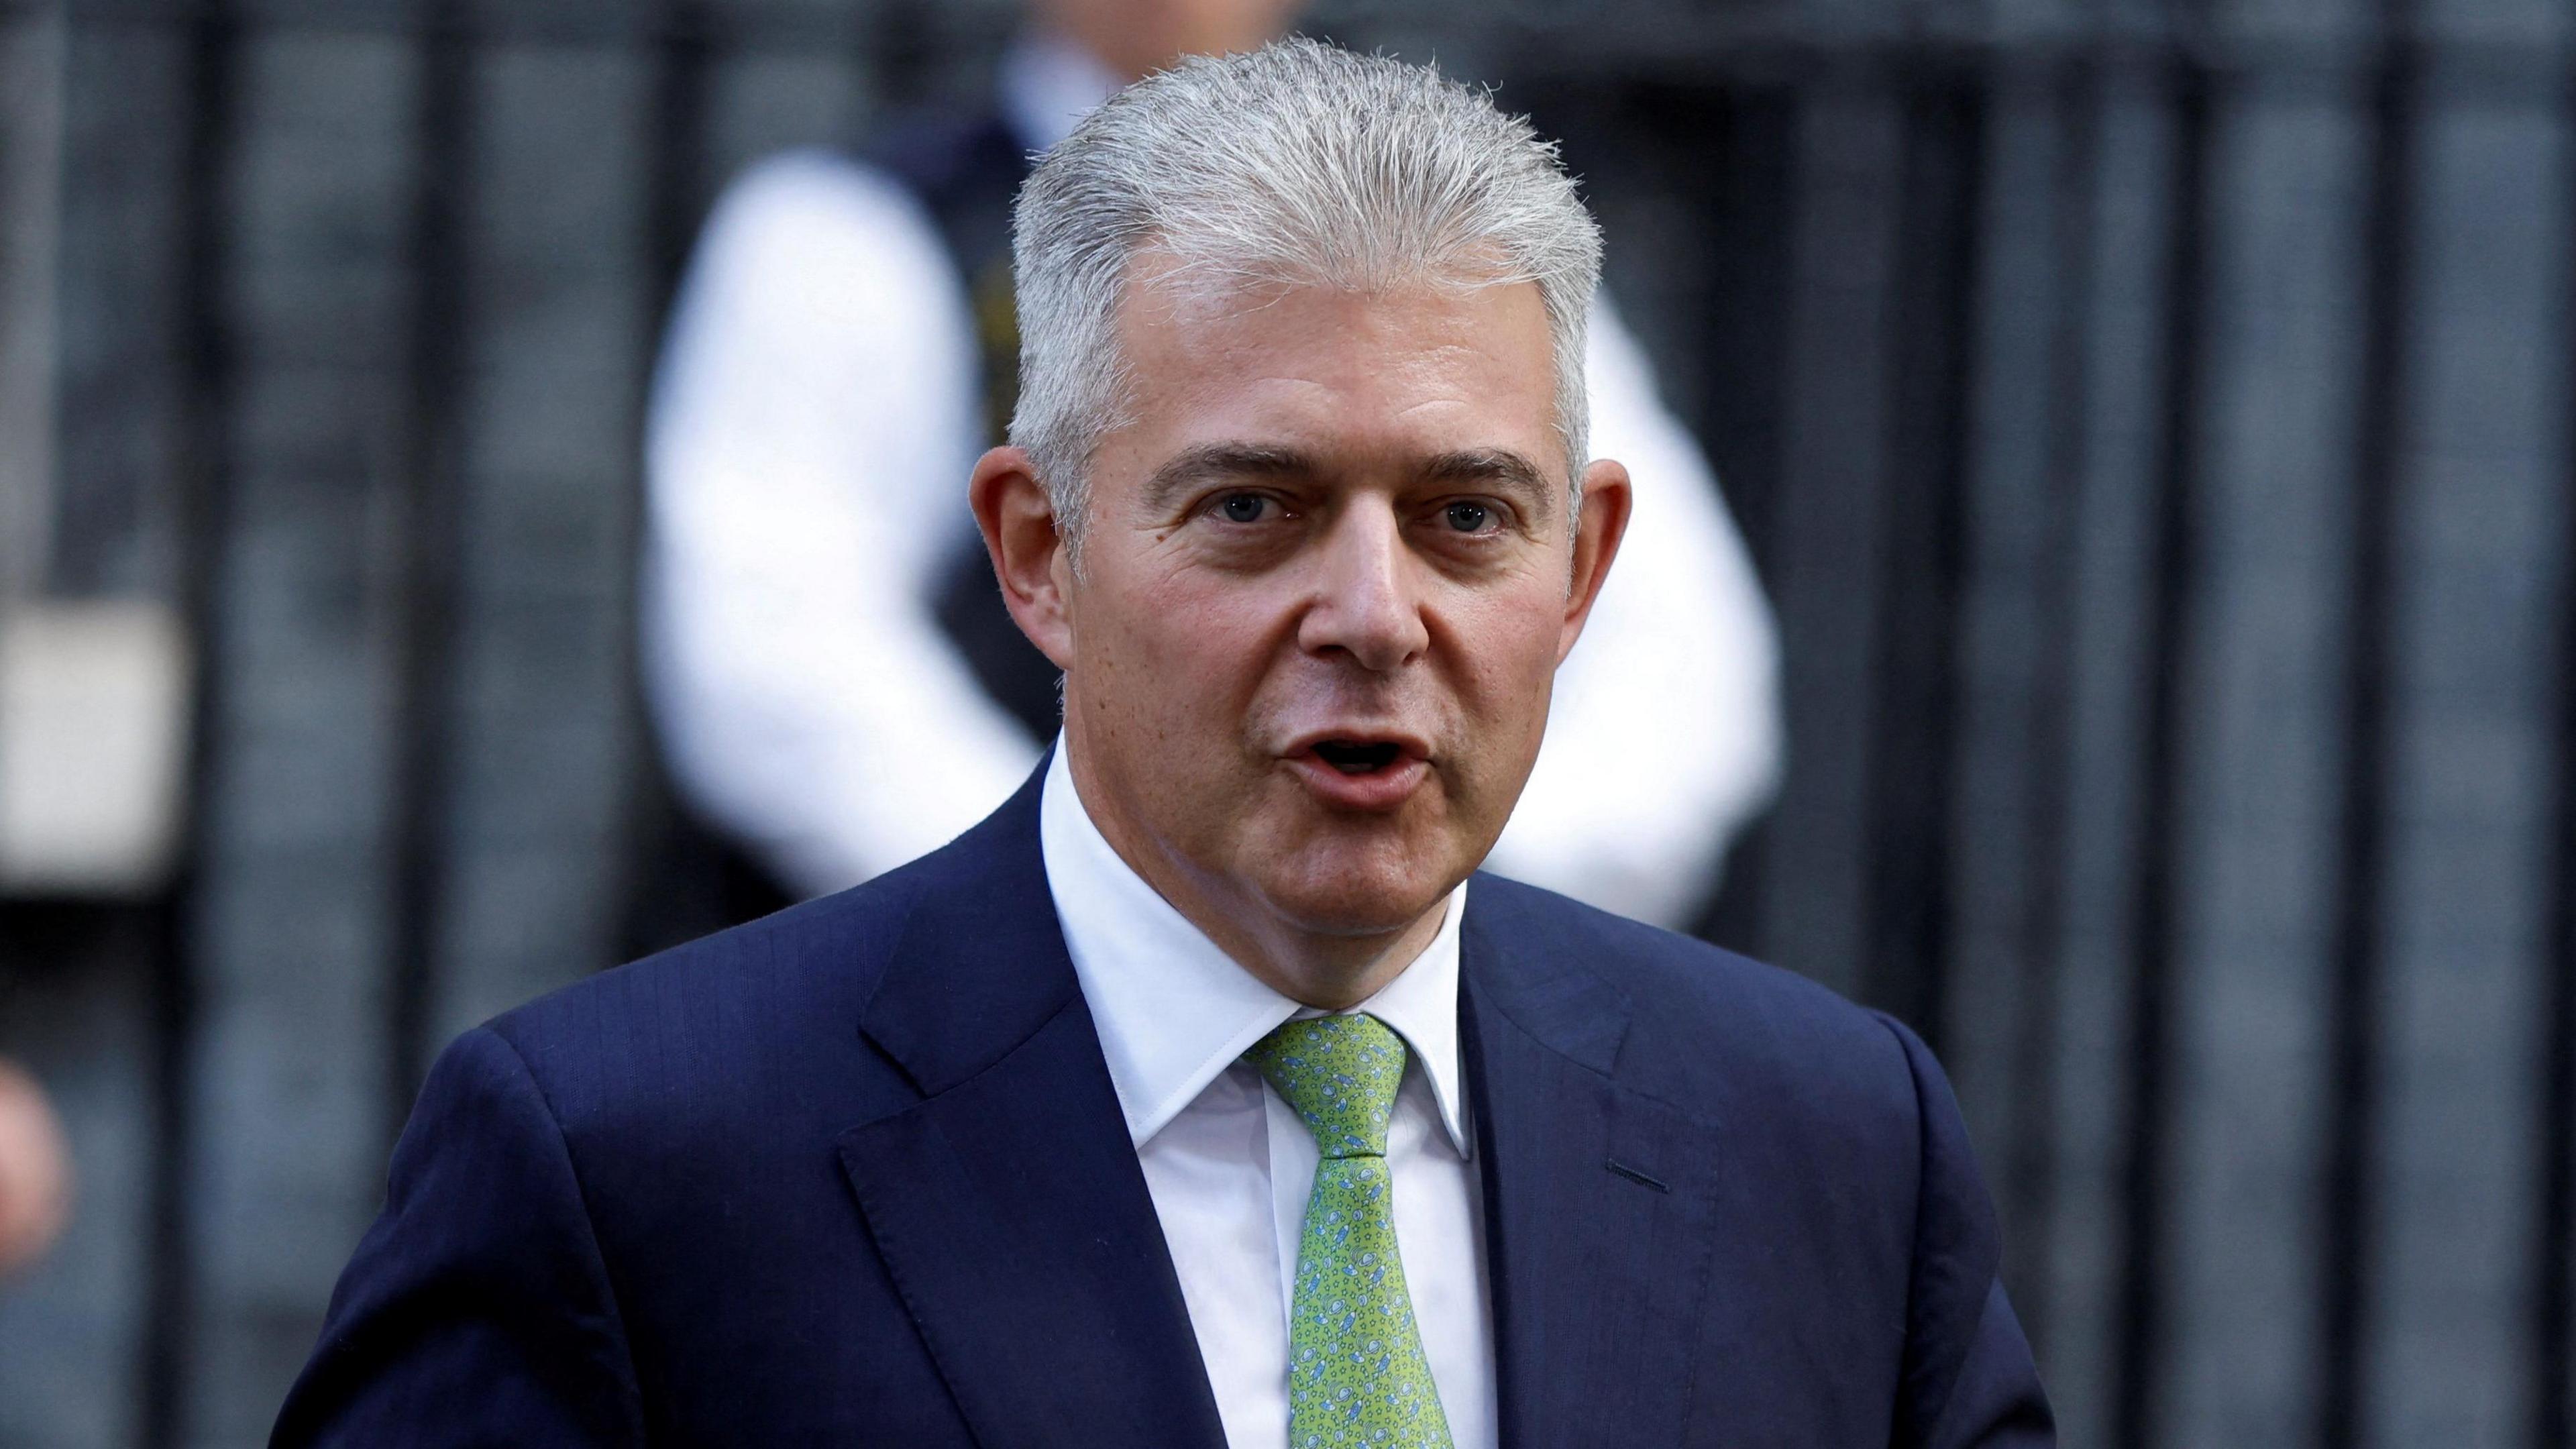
x=813, y=421
x=1229, y=1162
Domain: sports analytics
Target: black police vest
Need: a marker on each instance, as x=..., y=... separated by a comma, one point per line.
x=966, y=175
x=687, y=878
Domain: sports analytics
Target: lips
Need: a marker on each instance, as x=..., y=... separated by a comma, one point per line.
x=1360, y=770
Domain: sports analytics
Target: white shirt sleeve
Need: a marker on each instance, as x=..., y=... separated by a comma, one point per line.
x=1664, y=736
x=812, y=426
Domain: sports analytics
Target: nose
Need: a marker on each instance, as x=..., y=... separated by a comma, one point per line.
x=1366, y=601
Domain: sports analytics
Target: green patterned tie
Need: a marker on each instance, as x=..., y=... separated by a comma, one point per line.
x=1356, y=1374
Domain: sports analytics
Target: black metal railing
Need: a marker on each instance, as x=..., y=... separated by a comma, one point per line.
x=2107, y=607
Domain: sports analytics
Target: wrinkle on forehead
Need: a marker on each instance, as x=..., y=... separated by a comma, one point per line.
x=1395, y=357
x=1163, y=289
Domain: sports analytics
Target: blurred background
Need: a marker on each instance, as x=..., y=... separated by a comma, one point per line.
x=2148, y=420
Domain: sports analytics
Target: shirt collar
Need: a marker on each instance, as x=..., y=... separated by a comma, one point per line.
x=1048, y=84
x=1173, y=1011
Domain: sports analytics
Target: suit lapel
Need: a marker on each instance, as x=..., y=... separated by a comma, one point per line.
x=1597, y=1199
x=1007, y=1203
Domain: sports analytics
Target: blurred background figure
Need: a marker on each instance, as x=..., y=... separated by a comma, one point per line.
x=93, y=737
x=35, y=1176
x=834, y=682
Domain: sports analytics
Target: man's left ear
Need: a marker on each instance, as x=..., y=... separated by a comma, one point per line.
x=1602, y=523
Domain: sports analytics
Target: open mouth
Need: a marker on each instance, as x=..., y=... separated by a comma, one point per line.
x=1358, y=774
x=1358, y=757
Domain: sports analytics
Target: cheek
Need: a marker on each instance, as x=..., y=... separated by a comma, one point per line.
x=1506, y=647
x=1184, y=648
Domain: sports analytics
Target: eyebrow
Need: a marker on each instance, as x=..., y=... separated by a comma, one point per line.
x=1500, y=469
x=1193, y=468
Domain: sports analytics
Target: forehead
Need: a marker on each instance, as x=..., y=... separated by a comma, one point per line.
x=1426, y=367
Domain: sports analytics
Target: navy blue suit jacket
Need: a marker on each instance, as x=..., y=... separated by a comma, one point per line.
x=855, y=1175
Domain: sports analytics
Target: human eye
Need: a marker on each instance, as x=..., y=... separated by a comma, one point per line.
x=1472, y=517
x=1244, y=507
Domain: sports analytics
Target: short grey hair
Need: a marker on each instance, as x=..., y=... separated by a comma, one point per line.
x=1296, y=164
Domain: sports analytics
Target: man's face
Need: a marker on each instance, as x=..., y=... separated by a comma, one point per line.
x=1327, y=576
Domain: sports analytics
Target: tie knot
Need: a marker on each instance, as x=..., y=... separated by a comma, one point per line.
x=1340, y=1073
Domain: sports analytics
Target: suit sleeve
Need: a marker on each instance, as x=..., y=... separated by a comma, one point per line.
x=477, y=1309
x=1969, y=1381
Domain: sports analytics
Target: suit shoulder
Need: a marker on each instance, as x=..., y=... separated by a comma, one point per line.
x=750, y=991
x=1706, y=1022
x=1663, y=971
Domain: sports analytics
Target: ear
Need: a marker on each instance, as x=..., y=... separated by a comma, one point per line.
x=1029, y=559
x=1604, y=522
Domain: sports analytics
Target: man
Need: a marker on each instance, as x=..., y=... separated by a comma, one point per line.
x=1198, y=1096
x=834, y=683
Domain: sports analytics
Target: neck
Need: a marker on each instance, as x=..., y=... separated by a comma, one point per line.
x=1327, y=971
x=1330, y=970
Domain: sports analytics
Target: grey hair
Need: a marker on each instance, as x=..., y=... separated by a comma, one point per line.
x=1296, y=164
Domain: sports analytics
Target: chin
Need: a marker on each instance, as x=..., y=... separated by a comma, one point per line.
x=1342, y=889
